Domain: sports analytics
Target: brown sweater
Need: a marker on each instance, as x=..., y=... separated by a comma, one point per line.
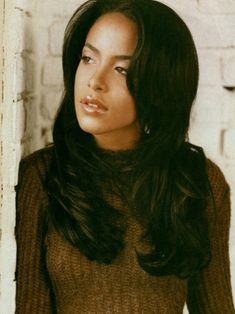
x=50, y=271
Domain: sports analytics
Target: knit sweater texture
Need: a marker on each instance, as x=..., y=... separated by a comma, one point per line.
x=54, y=277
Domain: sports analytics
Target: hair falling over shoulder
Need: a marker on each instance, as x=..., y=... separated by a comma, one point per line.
x=170, y=187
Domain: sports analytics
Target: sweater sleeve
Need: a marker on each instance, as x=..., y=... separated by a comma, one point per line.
x=33, y=286
x=210, y=291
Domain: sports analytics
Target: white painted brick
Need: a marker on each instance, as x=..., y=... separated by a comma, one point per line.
x=229, y=143
x=21, y=3
x=19, y=75
x=34, y=141
x=52, y=72
x=70, y=6
x=208, y=138
x=48, y=10
x=229, y=171
x=47, y=136
x=214, y=104
x=228, y=70
x=31, y=113
x=56, y=34
x=212, y=31
x=209, y=65
x=208, y=106
x=188, y=6
x=10, y=167
x=8, y=249
x=174, y=4
x=25, y=146
x=28, y=35
x=203, y=29
x=35, y=145
x=22, y=25
x=7, y=296
x=29, y=74
x=24, y=5
x=50, y=104
x=41, y=45
x=19, y=23
x=228, y=109
x=226, y=26
x=17, y=158
x=18, y=121
x=217, y=6
x=23, y=75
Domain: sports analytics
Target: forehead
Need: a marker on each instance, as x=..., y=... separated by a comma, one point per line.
x=113, y=31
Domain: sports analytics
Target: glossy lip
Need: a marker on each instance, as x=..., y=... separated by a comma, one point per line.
x=92, y=105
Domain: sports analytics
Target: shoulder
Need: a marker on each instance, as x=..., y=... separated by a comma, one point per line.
x=31, y=191
x=218, y=184
x=36, y=164
x=33, y=174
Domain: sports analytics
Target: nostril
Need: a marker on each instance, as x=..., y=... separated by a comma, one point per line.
x=96, y=84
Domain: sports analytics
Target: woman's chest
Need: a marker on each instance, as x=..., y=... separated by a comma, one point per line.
x=76, y=278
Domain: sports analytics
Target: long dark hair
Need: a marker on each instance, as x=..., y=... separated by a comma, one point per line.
x=169, y=186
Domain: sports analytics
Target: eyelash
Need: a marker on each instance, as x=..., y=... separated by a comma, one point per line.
x=120, y=70
x=86, y=59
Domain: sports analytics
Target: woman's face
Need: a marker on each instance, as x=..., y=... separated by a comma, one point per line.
x=104, y=106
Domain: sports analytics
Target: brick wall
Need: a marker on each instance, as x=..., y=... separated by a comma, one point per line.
x=47, y=28
x=37, y=86
x=12, y=62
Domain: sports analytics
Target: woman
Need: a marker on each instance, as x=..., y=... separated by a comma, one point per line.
x=122, y=214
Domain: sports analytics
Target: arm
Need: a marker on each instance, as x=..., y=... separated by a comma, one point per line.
x=210, y=291
x=33, y=287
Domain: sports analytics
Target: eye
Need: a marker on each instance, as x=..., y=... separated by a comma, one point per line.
x=121, y=70
x=87, y=60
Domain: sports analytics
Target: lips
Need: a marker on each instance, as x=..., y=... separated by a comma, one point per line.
x=92, y=105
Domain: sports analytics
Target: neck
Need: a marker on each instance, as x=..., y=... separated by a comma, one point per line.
x=115, y=142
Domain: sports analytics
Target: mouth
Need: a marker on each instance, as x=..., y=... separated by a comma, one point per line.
x=92, y=105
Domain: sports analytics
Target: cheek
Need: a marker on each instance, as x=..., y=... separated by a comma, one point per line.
x=128, y=101
x=76, y=83
x=80, y=79
x=77, y=79
x=78, y=87
x=126, y=108
x=132, y=108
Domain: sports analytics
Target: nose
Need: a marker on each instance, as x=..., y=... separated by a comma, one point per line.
x=97, y=81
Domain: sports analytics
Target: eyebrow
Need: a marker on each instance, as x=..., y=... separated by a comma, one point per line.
x=118, y=57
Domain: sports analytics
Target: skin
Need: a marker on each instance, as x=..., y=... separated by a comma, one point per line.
x=101, y=75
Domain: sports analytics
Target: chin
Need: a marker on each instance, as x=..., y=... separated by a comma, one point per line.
x=91, y=129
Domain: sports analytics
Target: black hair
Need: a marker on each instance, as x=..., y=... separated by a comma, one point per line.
x=169, y=184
